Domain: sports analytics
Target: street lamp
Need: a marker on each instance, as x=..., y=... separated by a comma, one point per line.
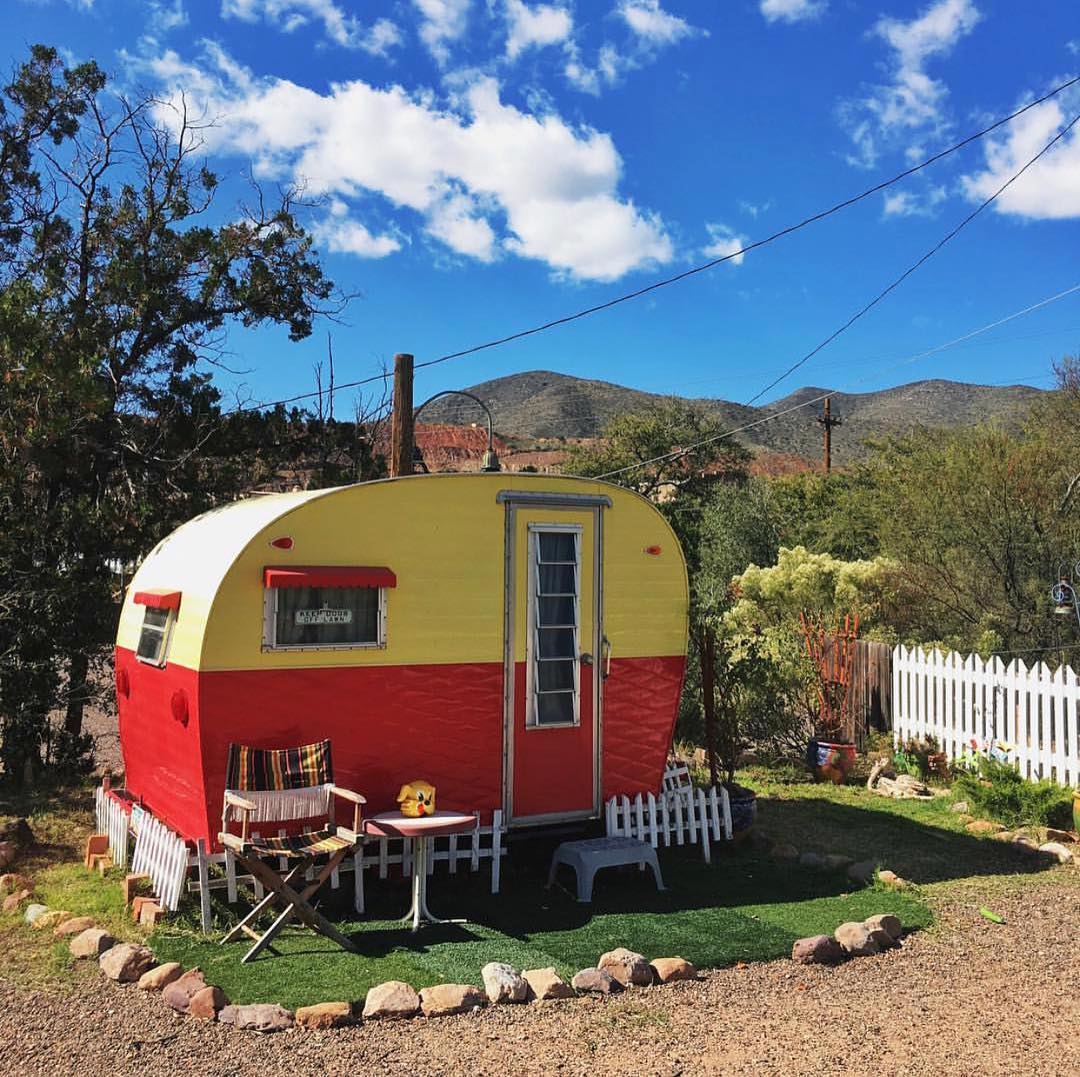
x=490, y=461
x=1063, y=593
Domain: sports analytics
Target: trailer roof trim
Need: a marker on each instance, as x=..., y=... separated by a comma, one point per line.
x=329, y=576
x=158, y=599
x=538, y=497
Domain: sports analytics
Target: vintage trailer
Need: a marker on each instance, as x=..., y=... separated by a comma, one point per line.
x=517, y=640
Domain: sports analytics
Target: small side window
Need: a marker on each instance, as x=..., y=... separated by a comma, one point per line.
x=154, y=637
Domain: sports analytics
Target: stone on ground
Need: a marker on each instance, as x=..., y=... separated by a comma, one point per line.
x=8, y=852
x=545, y=984
x=10, y=882
x=856, y=940
x=885, y=921
x=325, y=1015
x=1023, y=844
x=817, y=950
x=629, y=968
x=983, y=826
x=390, y=1000
x=1064, y=836
x=91, y=943
x=861, y=871
x=126, y=962
x=1056, y=850
x=667, y=970
x=892, y=880
x=75, y=926
x=595, y=982
x=13, y=901
x=785, y=851
x=160, y=978
x=442, y=1000
x=961, y=807
x=257, y=1017
x=205, y=1003
x=48, y=920
x=503, y=983
x=34, y=911
x=178, y=993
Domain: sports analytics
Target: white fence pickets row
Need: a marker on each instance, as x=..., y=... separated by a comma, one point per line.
x=957, y=699
x=470, y=849
x=162, y=855
x=674, y=817
x=112, y=820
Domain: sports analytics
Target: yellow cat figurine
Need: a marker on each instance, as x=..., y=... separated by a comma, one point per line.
x=417, y=799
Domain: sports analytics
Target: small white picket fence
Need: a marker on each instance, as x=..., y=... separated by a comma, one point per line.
x=471, y=849
x=675, y=817
x=114, y=821
x=162, y=855
x=957, y=699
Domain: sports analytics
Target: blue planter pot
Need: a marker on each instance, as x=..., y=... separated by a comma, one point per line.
x=743, y=811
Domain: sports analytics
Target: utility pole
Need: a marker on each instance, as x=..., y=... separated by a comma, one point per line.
x=828, y=421
x=401, y=421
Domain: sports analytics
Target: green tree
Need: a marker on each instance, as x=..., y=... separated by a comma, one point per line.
x=118, y=282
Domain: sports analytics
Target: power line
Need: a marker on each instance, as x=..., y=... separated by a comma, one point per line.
x=817, y=399
x=665, y=282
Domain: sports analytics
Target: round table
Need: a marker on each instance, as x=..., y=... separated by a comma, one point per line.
x=440, y=824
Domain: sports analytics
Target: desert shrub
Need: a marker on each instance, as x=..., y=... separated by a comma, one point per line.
x=997, y=790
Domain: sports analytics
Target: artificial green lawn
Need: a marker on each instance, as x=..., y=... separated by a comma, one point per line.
x=742, y=908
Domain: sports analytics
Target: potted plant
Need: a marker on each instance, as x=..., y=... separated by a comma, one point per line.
x=831, y=650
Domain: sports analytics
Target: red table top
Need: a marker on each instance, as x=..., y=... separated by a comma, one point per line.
x=392, y=824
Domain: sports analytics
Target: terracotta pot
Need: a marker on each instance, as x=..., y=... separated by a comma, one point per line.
x=831, y=759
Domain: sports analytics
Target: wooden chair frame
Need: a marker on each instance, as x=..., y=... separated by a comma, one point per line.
x=284, y=890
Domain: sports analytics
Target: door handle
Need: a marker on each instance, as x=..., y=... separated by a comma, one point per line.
x=605, y=653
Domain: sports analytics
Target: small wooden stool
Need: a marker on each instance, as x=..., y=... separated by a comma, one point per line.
x=589, y=856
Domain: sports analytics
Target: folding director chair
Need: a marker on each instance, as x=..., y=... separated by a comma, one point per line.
x=287, y=785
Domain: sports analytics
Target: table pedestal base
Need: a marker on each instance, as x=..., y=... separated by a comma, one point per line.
x=419, y=913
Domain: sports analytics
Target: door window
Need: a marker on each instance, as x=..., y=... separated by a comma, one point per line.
x=555, y=575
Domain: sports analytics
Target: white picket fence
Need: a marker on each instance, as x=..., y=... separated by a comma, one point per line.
x=958, y=699
x=675, y=817
x=483, y=843
x=162, y=855
x=113, y=821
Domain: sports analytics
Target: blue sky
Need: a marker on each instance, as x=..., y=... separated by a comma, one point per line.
x=485, y=165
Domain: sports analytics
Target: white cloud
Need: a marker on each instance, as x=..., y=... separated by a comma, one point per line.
x=165, y=16
x=651, y=23
x=481, y=176
x=792, y=10
x=911, y=104
x=912, y=204
x=610, y=66
x=723, y=242
x=1050, y=189
x=442, y=21
x=341, y=28
x=544, y=24
x=341, y=234
x=755, y=209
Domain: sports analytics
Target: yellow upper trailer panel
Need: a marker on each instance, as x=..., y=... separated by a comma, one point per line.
x=443, y=538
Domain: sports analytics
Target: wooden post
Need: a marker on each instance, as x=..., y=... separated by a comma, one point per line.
x=401, y=421
x=828, y=421
x=708, y=671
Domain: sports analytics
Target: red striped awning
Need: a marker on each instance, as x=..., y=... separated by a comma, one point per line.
x=159, y=600
x=329, y=576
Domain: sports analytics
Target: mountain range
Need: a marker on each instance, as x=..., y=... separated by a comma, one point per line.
x=541, y=404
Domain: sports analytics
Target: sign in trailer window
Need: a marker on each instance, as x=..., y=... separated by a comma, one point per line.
x=326, y=616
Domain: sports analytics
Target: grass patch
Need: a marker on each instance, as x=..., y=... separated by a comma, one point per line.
x=742, y=908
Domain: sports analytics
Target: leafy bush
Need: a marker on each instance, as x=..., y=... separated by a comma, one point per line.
x=997, y=790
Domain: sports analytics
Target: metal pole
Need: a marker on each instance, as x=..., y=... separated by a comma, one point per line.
x=401, y=422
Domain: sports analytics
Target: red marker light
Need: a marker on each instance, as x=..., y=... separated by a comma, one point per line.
x=283, y=543
x=653, y=551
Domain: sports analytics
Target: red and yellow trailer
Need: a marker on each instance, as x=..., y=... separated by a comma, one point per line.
x=517, y=640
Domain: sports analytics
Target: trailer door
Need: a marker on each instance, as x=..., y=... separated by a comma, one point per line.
x=552, y=668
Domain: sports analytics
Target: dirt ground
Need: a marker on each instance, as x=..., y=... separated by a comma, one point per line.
x=969, y=997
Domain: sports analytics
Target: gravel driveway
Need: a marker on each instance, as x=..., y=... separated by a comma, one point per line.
x=969, y=998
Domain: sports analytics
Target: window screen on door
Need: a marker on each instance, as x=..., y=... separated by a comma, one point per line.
x=553, y=640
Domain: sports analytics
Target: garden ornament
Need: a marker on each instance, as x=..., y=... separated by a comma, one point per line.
x=417, y=799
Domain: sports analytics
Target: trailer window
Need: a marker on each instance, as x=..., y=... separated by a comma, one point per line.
x=317, y=617
x=555, y=556
x=154, y=637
